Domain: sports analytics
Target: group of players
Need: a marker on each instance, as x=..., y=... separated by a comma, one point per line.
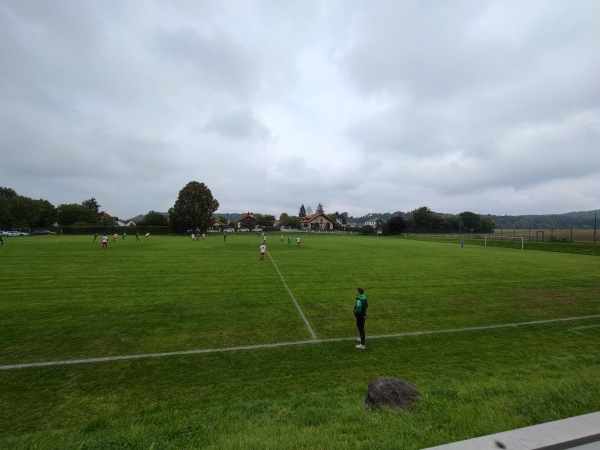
x=263, y=246
x=116, y=236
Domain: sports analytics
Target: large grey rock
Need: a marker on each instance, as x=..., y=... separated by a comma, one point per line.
x=391, y=392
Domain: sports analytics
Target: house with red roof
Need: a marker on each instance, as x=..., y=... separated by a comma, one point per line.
x=317, y=222
x=247, y=221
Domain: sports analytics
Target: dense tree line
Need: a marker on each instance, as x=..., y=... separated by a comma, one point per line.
x=17, y=211
x=154, y=219
x=581, y=219
x=195, y=207
x=423, y=219
x=578, y=219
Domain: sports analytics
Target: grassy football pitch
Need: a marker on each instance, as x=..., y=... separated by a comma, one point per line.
x=169, y=343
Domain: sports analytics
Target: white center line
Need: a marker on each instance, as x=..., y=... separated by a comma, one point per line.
x=312, y=333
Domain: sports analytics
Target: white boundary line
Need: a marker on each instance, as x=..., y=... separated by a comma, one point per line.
x=312, y=333
x=284, y=344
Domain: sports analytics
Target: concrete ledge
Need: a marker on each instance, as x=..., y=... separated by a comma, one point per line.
x=580, y=432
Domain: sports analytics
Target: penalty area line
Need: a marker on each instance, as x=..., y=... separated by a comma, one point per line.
x=285, y=344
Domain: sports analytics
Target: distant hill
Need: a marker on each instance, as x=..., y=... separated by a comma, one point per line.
x=576, y=219
x=232, y=217
x=142, y=216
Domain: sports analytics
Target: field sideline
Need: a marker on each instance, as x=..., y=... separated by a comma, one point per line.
x=466, y=318
x=285, y=344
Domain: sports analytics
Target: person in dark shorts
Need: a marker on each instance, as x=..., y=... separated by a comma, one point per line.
x=360, y=313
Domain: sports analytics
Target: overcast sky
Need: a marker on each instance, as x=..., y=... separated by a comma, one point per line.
x=364, y=106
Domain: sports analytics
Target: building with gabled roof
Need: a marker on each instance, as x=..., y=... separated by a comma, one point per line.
x=122, y=223
x=247, y=221
x=217, y=225
x=317, y=222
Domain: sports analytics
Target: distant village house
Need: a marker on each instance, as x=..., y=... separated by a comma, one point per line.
x=247, y=221
x=317, y=222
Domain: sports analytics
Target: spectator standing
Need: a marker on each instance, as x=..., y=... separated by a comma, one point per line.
x=360, y=313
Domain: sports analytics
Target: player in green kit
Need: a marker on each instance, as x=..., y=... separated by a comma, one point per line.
x=360, y=313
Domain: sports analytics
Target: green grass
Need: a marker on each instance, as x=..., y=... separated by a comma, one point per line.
x=63, y=298
x=582, y=248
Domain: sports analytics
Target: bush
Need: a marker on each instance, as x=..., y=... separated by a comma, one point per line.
x=367, y=230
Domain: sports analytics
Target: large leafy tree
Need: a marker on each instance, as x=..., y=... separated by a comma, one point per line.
x=19, y=211
x=5, y=216
x=193, y=208
x=92, y=204
x=423, y=218
x=487, y=225
x=293, y=222
x=7, y=196
x=42, y=214
x=7, y=192
x=73, y=214
x=470, y=221
x=452, y=223
x=106, y=220
x=154, y=218
x=264, y=220
x=396, y=225
x=286, y=220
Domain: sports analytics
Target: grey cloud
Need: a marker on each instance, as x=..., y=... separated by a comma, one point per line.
x=385, y=105
x=415, y=50
x=434, y=55
x=522, y=162
x=416, y=131
x=215, y=60
x=63, y=26
x=239, y=125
